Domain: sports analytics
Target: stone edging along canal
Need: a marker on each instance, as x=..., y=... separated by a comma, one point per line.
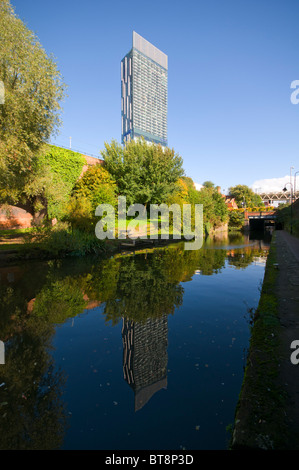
x=267, y=413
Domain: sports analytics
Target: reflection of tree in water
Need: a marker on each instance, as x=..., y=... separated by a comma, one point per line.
x=211, y=261
x=148, y=285
x=143, y=289
x=59, y=299
x=32, y=414
x=242, y=258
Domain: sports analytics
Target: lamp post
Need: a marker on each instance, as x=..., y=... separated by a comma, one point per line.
x=291, y=168
x=285, y=189
x=295, y=185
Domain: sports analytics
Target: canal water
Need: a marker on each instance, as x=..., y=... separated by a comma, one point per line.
x=144, y=350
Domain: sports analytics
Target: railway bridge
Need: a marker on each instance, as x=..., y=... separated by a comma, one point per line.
x=259, y=220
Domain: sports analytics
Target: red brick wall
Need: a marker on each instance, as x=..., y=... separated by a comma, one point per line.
x=14, y=217
x=90, y=161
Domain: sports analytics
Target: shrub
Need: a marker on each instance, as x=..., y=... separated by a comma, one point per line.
x=236, y=219
x=63, y=242
x=97, y=186
x=79, y=214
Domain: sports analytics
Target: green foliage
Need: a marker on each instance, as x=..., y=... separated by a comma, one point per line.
x=288, y=217
x=51, y=180
x=244, y=196
x=97, y=186
x=215, y=212
x=59, y=300
x=16, y=159
x=61, y=242
x=79, y=214
x=145, y=173
x=236, y=219
x=63, y=168
x=181, y=192
x=188, y=181
x=208, y=184
x=220, y=208
x=33, y=92
x=65, y=164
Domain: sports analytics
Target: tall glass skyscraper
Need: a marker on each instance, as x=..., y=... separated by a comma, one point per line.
x=144, y=81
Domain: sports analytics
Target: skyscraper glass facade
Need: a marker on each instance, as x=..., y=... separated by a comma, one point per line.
x=144, y=83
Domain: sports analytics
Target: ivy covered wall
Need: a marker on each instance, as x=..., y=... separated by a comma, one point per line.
x=66, y=167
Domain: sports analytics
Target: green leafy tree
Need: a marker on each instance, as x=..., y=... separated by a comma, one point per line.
x=215, y=211
x=236, y=219
x=145, y=173
x=33, y=92
x=49, y=185
x=188, y=181
x=181, y=194
x=79, y=214
x=245, y=196
x=97, y=186
x=208, y=184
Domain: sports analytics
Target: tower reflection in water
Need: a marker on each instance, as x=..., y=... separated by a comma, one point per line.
x=145, y=357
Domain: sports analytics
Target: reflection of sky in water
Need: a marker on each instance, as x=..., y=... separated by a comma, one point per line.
x=190, y=408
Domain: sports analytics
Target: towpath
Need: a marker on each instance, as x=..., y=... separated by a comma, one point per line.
x=287, y=252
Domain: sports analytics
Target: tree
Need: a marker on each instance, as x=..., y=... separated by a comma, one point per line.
x=245, y=196
x=188, y=181
x=144, y=173
x=97, y=186
x=53, y=175
x=236, y=219
x=30, y=113
x=208, y=184
x=79, y=214
x=181, y=194
x=215, y=211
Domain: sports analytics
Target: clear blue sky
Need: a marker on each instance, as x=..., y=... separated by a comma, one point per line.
x=231, y=63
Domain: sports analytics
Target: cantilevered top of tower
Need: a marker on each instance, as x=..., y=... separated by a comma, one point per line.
x=148, y=49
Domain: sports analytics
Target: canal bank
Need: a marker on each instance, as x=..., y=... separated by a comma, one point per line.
x=267, y=414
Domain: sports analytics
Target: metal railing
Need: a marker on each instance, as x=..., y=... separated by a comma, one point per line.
x=77, y=151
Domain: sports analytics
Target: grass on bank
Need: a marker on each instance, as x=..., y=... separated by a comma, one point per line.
x=13, y=239
x=53, y=242
x=260, y=418
x=10, y=247
x=7, y=233
x=66, y=240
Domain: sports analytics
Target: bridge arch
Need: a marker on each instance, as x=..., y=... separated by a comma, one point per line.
x=259, y=220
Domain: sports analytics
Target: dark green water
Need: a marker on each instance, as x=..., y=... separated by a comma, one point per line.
x=142, y=351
